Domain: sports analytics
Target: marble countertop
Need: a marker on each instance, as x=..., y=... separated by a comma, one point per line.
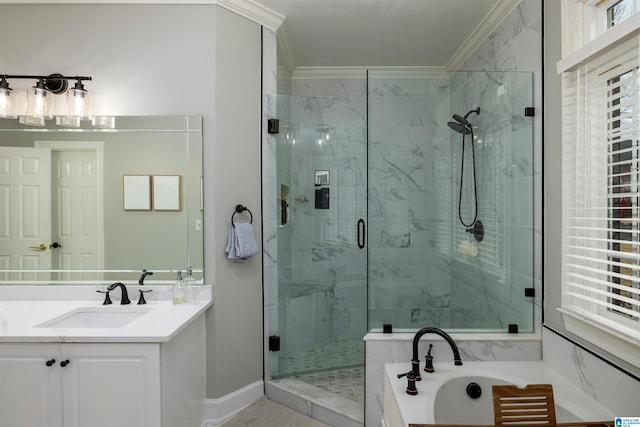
x=161, y=321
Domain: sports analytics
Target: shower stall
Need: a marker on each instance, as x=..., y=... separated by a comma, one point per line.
x=379, y=201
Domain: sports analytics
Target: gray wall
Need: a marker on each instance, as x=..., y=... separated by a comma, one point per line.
x=234, y=326
x=173, y=60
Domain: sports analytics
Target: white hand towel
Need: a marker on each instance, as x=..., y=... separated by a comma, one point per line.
x=246, y=245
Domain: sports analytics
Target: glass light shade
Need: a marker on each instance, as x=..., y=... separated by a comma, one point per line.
x=79, y=103
x=39, y=102
x=5, y=103
x=68, y=121
x=31, y=120
x=104, y=122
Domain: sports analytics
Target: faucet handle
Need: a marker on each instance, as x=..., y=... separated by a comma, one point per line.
x=107, y=299
x=411, y=382
x=428, y=363
x=141, y=300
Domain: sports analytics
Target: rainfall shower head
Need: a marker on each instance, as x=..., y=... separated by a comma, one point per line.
x=460, y=127
x=463, y=126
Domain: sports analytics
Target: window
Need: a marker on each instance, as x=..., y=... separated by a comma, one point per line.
x=624, y=193
x=620, y=11
x=601, y=193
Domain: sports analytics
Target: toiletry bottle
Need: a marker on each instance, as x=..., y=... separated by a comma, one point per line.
x=179, y=290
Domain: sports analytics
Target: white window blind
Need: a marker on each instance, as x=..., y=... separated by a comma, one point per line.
x=601, y=163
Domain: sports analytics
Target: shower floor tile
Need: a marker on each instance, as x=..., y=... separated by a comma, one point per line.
x=347, y=383
x=336, y=353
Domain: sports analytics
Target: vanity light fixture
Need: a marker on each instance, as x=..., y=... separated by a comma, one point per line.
x=5, y=99
x=40, y=100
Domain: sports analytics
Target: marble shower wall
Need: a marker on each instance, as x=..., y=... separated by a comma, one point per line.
x=320, y=269
x=417, y=274
x=503, y=267
x=514, y=46
x=409, y=196
x=271, y=83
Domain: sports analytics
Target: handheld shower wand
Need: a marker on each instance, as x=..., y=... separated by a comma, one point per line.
x=464, y=127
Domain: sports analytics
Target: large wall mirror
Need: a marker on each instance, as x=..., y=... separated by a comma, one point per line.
x=101, y=202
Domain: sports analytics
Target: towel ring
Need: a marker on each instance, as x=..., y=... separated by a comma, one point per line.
x=240, y=209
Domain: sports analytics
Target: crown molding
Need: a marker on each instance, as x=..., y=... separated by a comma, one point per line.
x=495, y=16
x=361, y=72
x=253, y=11
x=285, y=43
x=246, y=8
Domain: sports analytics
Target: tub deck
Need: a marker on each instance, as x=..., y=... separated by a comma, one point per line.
x=577, y=424
x=441, y=395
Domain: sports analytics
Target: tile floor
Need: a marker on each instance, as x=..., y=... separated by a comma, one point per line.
x=329, y=374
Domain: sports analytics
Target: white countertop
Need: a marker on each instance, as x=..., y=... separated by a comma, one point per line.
x=19, y=320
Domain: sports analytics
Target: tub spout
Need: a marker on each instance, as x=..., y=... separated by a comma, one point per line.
x=415, y=362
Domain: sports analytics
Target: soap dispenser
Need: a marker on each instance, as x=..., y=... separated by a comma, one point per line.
x=179, y=290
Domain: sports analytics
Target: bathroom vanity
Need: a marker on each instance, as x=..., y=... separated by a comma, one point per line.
x=79, y=363
x=65, y=358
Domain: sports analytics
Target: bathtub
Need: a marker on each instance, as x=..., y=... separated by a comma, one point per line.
x=442, y=396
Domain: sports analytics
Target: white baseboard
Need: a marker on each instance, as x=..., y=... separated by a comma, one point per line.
x=217, y=411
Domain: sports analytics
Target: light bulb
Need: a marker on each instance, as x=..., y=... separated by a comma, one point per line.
x=79, y=102
x=38, y=106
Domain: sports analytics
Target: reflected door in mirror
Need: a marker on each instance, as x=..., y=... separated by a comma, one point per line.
x=25, y=201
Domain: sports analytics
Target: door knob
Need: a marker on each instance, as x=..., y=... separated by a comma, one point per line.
x=41, y=247
x=64, y=363
x=50, y=362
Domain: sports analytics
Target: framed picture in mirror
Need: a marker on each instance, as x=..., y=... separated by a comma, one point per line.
x=167, y=194
x=136, y=192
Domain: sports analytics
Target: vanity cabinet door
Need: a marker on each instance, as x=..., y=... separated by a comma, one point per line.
x=30, y=392
x=107, y=385
x=80, y=385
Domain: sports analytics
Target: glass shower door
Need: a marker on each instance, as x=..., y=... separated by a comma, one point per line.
x=319, y=283
x=425, y=266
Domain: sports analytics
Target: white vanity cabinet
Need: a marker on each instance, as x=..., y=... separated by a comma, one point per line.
x=80, y=385
x=104, y=378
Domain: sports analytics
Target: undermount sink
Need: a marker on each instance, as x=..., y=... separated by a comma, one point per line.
x=91, y=317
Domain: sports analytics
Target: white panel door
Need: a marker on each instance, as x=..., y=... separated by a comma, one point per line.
x=25, y=209
x=75, y=210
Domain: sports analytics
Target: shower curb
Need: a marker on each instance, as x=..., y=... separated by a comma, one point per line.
x=315, y=403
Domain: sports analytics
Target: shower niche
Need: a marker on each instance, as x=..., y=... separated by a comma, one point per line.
x=284, y=205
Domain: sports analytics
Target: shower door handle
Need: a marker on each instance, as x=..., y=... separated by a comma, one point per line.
x=361, y=233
